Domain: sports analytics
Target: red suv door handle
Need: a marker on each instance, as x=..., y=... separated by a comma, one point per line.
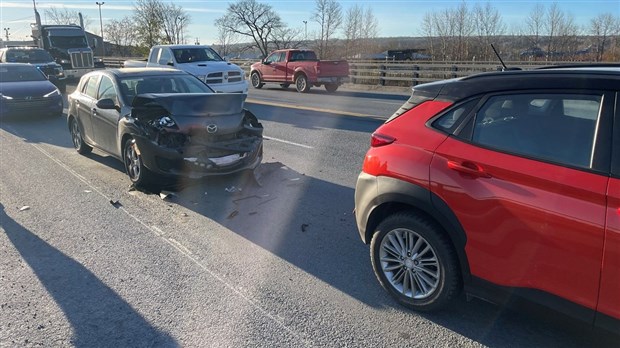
x=468, y=168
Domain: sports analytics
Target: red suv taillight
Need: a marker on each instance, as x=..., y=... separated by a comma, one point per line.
x=378, y=139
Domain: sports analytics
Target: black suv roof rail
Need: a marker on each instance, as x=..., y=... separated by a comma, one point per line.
x=580, y=65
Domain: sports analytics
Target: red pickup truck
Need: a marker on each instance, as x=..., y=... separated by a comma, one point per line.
x=301, y=67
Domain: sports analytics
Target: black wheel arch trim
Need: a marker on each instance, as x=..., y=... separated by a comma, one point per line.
x=394, y=191
x=513, y=298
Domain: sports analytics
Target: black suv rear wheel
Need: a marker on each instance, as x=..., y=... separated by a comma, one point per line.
x=415, y=262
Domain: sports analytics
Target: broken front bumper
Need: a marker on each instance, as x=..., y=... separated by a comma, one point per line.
x=196, y=161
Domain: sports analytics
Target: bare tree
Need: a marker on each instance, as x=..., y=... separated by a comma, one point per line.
x=534, y=23
x=63, y=16
x=444, y=29
x=370, y=30
x=174, y=22
x=561, y=32
x=287, y=38
x=489, y=25
x=225, y=40
x=328, y=14
x=252, y=19
x=428, y=30
x=359, y=29
x=602, y=27
x=147, y=19
x=121, y=33
x=464, y=29
x=353, y=29
x=553, y=22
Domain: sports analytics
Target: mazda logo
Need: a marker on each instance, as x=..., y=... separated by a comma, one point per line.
x=211, y=128
x=28, y=98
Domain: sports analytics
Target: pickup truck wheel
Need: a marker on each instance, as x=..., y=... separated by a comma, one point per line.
x=285, y=85
x=301, y=83
x=331, y=87
x=256, y=82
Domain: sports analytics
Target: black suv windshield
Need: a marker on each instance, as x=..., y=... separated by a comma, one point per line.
x=28, y=56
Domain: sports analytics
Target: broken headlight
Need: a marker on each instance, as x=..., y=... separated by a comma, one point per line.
x=163, y=122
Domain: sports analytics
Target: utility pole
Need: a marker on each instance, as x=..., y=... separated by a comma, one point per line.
x=306, y=30
x=6, y=33
x=101, y=25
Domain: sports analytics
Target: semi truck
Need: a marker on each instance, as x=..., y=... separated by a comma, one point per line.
x=67, y=44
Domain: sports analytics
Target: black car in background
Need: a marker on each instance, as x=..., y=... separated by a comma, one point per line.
x=26, y=92
x=163, y=123
x=39, y=58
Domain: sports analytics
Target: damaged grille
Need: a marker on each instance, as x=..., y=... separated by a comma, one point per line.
x=204, y=138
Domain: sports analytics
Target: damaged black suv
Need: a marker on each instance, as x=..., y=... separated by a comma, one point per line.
x=163, y=123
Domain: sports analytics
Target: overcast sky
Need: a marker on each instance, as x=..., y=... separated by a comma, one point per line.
x=395, y=17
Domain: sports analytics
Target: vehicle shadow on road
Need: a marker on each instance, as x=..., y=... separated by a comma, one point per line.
x=94, y=311
x=39, y=129
x=295, y=217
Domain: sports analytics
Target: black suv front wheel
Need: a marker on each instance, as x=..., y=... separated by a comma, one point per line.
x=415, y=262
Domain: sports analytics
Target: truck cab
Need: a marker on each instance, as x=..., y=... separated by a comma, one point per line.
x=68, y=46
x=203, y=62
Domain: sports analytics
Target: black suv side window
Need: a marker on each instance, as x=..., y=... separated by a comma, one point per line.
x=560, y=128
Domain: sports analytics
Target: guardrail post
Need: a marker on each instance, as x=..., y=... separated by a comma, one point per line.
x=416, y=74
x=382, y=69
x=454, y=70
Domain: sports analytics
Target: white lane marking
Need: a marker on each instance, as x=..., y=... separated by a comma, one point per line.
x=181, y=249
x=288, y=142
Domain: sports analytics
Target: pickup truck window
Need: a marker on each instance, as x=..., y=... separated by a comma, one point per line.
x=276, y=57
x=200, y=54
x=164, y=57
x=303, y=55
x=154, y=54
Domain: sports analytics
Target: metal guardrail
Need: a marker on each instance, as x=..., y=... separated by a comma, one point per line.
x=372, y=72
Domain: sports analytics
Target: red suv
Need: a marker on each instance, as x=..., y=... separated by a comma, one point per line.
x=504, y=184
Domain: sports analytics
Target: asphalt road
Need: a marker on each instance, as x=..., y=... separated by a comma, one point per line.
x=221, y=262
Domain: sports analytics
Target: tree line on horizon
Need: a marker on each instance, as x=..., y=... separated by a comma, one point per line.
x=459, y=33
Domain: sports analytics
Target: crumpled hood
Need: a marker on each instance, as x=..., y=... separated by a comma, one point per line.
x=194, y=110
x=203, y=68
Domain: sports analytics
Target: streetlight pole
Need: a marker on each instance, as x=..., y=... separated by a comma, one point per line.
x=306, y=30
x=101, y=25
x=6, y=33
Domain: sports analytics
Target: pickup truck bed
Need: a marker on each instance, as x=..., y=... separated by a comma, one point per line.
x=301, y=68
